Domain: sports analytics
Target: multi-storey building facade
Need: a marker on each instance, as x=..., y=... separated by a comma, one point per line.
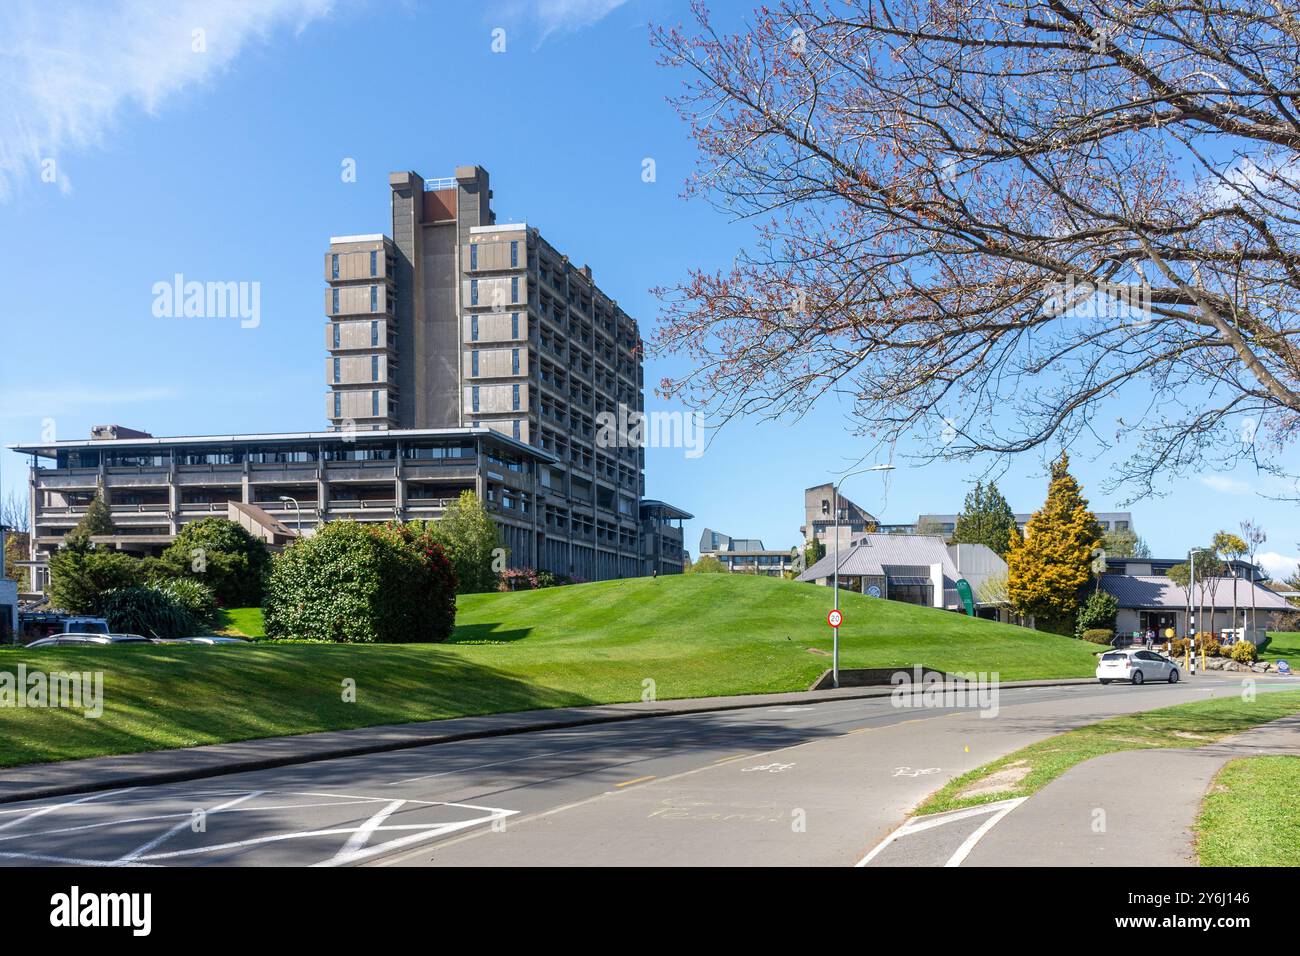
x=279, y=484
x=457, y=321
x=460, y=355
x=746, y=555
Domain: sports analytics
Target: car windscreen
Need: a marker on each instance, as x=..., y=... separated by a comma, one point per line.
x=1113, y=657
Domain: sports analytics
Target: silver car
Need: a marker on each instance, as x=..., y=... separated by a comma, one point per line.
x=1137, y=666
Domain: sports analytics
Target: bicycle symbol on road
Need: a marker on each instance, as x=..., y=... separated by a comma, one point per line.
x=910, y=772
x=769, y=767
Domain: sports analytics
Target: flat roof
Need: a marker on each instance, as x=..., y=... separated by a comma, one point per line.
x=506, y=227
x=50, y=449
x=369, y=237
x=670, y=511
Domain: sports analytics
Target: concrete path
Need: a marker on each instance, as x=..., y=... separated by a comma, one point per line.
x=1135, y=808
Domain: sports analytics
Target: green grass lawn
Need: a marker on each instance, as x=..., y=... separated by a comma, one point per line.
x=1284, y=646
x=241, y=622
x=1249, y=816
x=691, y=635
x=1029, y=769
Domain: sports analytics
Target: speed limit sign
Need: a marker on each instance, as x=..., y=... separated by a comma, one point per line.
x=835, y=618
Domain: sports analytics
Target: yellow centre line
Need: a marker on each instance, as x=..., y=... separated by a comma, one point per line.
x=628, y=783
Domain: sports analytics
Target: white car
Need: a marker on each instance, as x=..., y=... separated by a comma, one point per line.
x=1136, y=665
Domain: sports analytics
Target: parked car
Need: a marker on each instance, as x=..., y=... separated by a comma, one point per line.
x=1136, y=665
x=85, y=625
x=130, y=639
x=206, y=639
x=70, y=640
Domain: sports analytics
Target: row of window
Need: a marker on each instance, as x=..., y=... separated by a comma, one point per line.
x=473, y=255
x=514, y=326
x=374, y=264
x=334, y=299
x=474, y=396
x=374, y=335
x=473, y=291
x=473, y=361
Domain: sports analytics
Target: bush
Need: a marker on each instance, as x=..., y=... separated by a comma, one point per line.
x=1098, y=635
x=80, y=577
x=352, y=583
x=1211, y=644
x=1178, y=647
x=222, y=555
x=149, y=611
x=434, y=594
x=470, y=539
x=195, y=597
x=1244, y=652
x=1096, y=613
x=708, y=565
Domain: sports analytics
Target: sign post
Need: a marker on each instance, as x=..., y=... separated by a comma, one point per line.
x=835, y=618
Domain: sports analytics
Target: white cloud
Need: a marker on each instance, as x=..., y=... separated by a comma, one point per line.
x=1279, y=566
x=560, y=16
x=70, y=70
x=1225, y=485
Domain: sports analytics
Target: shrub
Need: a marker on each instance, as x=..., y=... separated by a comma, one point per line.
x=708, y=565
x=1096, y=613
x=470, y=539
x=80, y=576
x=1098, y=635
x=222, y=555
x=432, y=595
x=195, y=597
x=1211, y=644
x=352, y=583
x=1178, y=647
x=1244, y=652
x=151, y=612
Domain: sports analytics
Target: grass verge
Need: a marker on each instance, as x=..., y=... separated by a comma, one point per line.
x=1249, y=818
x=1028, y=770
x=1284, y=646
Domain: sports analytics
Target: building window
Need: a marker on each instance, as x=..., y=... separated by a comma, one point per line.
x=374, y=404
x=514, y=288
x=514, y=362
x=473, y=328
x=334, y=265
x=374, y=262
x=516, y=429
x=374, y=334
x=514, y=397
x=374, y=368
x=335, y=298
x=473, y=256
x=374, y=298
x=337, y=365
x=473, y=291
x=473, y=362
x=336, y=335
x=514, y=325
x=474, y=398
x=338, y=404
x=514, y=255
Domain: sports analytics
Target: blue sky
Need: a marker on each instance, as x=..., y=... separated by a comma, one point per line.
x=224, y=165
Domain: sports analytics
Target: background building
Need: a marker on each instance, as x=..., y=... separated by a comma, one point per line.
x=745, y=555
x=456, y=321
x=819, y=517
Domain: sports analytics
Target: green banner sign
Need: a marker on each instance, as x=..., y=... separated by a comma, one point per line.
x=967, y=599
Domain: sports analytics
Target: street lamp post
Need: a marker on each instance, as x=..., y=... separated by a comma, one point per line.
x=1191, y=616
x=298, y=509
x=835, y=574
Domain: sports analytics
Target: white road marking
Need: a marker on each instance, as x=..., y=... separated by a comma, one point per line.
x=963, y=851
x=362, y=836
x=183, y=824
x=41, y=811
x=917, y=824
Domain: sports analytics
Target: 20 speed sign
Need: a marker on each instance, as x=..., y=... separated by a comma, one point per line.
x=835, y=618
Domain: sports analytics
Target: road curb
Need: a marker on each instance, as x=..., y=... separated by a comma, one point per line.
x=213, y=761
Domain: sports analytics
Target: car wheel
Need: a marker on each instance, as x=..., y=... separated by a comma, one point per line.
x=1173, y=676
x=1137, y=677
x=1104, y=680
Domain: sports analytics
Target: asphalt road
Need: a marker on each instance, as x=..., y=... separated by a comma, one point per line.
x=819, y=784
